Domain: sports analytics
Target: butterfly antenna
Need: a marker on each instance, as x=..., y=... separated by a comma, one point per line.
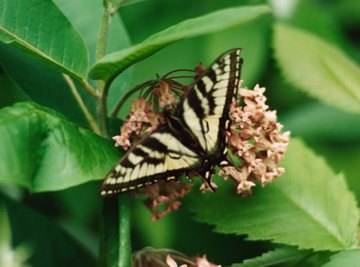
x=174, y=71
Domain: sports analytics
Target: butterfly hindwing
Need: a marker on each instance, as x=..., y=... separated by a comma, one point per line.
x=158, y=156
x=193, y=137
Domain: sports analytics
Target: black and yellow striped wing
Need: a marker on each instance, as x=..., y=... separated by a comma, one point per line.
x=205, y=109
x=192, y=139
x=160, y=156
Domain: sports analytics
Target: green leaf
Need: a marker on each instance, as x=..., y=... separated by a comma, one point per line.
x=318, y=121
x=345, y=258
x=324, y=24
x=309, y=206
x=343, y=157
x=116, y=4
x=318, y=68
x=274, y=257
x=42, y=84
x=41, y=29
x=43, y=151
x=5, y=230
x=19, y=255
x=111, y=65
x=9, y=91
x=50, y=245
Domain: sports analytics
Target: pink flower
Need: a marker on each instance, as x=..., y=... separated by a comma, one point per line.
x=244, y=188
x=139, y=110
x=140, y=106
x=155, y=119
x=149, y=257
x=172, y=263
x=237, y=114
x=199, y=262
x=241, y=146
x=166, y=98
x=162, y=198
x=203, y=262
x=121, y=140
x=205, y=186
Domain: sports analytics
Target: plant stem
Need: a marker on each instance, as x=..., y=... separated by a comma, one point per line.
x=102, y=114
x=82, y=105
x=124, y=231
x=103, y=34
x=103, y=88
x=116, y=245
x=88, y=87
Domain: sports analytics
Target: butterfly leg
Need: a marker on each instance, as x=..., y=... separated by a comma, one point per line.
x=208, y=176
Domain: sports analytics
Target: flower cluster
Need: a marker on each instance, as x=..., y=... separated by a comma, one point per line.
x=255, y=142
x=163, y=91
x=145, y=116
x=162, y=198
x=141, y=119
x=197, y=262
x=150, y=257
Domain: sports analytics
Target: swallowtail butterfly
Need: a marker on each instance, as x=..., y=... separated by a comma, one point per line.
x=192, y=137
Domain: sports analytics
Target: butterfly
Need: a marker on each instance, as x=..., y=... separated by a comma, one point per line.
x=192, y=138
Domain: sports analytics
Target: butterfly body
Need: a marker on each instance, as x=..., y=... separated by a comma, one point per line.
x=192, y=138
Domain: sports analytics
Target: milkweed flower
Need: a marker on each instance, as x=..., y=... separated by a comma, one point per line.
x=163, y=198
x=255, y=139
x=197, y=262
x=163, y=90
x=150, y=257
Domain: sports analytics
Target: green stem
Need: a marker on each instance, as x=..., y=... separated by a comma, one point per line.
x=124, y=231
x=115, y=248
x=116, y=245
x=87, y=87
x=104, y=30
x=102, y=114
x=103, y=87
x=81, y=104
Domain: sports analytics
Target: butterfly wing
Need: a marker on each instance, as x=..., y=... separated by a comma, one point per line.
x=175, y=148
x=158, y=156
x=205, y=108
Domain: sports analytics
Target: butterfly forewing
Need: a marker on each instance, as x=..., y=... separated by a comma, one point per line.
x=194, y=133
x=206, y=106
